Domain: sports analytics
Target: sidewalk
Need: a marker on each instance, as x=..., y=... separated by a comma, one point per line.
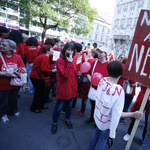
x=33, y=131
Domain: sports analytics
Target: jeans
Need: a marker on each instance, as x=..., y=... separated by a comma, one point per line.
x=146, y=143
x=99, y=139
x=30, y=85
x=58, y=107
x=128, y=100
x=8, y=101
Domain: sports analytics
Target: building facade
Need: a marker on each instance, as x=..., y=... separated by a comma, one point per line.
x=12, y=17
x=126, y=13
x=99, y=34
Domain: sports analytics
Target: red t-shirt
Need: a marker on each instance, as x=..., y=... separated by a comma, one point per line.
x=66, y=80
x=31, y=53
x=100, y=68
x=43, y=67
x=13, y=62
x=79, y=60
x=20, y=49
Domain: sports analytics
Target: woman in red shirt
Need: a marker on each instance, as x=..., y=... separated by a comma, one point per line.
x=8, y=94
x=66, y=88
x=43, y=67
x=31, y=52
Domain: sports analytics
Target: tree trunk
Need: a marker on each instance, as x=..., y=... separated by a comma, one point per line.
x=43, y=34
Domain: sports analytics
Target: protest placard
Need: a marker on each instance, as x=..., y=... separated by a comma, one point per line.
x=138, y=63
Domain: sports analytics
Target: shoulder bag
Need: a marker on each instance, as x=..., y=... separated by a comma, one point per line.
x=92, y=91
x=13, y=81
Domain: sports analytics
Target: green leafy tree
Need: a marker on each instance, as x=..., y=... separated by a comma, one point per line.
x=71, y=15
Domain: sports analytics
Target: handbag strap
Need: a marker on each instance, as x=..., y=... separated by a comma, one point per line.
x=3, y=60
x=94, y=66
x=37, y=69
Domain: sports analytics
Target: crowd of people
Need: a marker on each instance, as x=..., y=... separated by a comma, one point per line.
x=53, y=65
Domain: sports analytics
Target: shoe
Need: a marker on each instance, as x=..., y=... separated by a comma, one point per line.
x=45, y=107
x=126, y=137
x=89, y=120
x=80, y=113
x=29, y=93
x=54, y=128
x=17, y=114
x=62, y=112
x=4, y=119
x=36, y=111
x=47, y=100
x=124, y=122
x=69, y=125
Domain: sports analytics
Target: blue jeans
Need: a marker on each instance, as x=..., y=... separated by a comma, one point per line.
x=99, y=139
x=127, y=102
x=146, y=143
x=30, y=85
x=8, y=101
x=58, y=106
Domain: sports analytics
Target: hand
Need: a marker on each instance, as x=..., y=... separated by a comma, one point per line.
x=54, y=70
x=8, y=74
x=70, y=58
x=137, y=115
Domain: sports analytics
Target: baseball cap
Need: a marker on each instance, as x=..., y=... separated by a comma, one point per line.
x=103, y=49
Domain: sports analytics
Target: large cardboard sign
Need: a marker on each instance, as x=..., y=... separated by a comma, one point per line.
x=138, y=63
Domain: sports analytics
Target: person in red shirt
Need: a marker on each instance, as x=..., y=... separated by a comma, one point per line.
x=16, y=36
x=85, y=88
x=128, y=97
x=101, y=67
x=66, y=88
x=8, y=94
x=79, y=60
x=31, y=50
x=111, y=56
x=43, y=67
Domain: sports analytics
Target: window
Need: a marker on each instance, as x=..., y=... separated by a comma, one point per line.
x=97, y=27
x=103, y=28
x=95, y=36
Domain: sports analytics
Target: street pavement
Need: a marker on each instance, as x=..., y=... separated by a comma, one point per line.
x=33, y=131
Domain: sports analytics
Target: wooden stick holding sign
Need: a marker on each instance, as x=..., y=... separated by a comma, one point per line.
x=138, y=63
x=137, y=121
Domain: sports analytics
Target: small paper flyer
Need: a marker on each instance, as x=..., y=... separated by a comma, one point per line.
x=56, y=55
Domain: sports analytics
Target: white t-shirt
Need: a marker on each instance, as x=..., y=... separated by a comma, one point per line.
x=109, y=106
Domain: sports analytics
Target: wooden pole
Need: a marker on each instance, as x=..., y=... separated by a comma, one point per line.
x=137, y=121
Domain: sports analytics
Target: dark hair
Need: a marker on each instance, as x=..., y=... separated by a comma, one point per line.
x=95, y=45
x=50, y=41
x=66, y=46
x=16, y=36
x=124, y=60
x=32, y=41
x=96, y=55
x=4, y=30
x=73, y=42
x=56, y=40
x=114, y=69
x=78, y=47
x=46, y=48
